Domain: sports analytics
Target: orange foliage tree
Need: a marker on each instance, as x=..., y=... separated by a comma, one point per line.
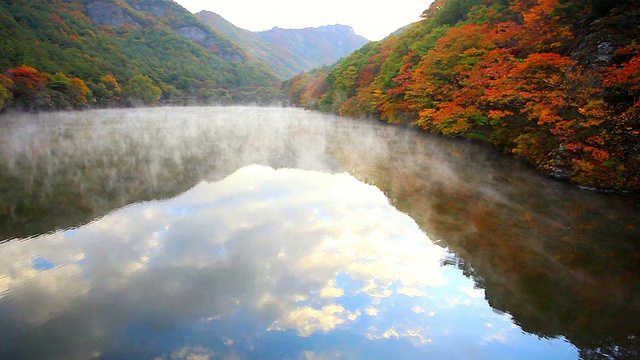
x=30, y=87
x=505, y=71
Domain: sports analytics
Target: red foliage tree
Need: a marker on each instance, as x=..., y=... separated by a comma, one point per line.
x=30, y=87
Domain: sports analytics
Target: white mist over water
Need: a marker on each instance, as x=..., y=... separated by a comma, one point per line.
x=129, y=155
x=170, y=193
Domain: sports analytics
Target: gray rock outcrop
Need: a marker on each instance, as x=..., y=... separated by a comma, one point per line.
x=103, y=12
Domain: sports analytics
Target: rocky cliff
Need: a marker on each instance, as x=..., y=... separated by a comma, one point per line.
x=105, y=12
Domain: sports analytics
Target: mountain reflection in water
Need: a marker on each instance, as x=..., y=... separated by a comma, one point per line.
x=300, y=253
x=263, y=264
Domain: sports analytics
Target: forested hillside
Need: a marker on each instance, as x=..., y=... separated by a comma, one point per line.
x=555, y=82
x=72, y=53
x=290, y=51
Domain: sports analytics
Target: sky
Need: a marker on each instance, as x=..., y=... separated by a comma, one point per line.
x=372, y=19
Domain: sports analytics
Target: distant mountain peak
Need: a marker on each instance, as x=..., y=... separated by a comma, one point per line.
x=290, y=51
x=345, y=29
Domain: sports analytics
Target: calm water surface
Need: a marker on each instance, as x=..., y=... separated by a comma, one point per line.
x=216, y=233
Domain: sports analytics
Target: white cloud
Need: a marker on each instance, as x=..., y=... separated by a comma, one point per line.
x=418, y=336
x=192, y=353
x=295, y=246
x=307, y=320
x=331, y=291
x=411, y=291
x=371, y=311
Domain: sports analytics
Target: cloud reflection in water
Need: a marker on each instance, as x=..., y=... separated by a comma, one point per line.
x=260, y=258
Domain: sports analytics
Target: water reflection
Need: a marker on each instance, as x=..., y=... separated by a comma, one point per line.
x=262, y=264
x=262, y=271
x=560, y=260
x=64, y=169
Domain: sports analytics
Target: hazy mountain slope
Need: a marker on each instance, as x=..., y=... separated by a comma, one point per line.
x=320, y=46
x=289, y=52
x=283, y=65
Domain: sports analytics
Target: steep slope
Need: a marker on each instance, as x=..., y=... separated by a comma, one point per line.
x=319, y=46
x=283, y=65
x=89, y=39
x=289, y=52
x=554, y=82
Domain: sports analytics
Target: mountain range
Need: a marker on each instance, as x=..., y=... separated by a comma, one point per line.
x=72, y=53
x=288, y=52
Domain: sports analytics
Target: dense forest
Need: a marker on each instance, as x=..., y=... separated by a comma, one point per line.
x=554, y=82
x=65, y=54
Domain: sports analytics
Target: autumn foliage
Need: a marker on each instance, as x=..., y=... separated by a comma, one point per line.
x=34, y=90
x=525, y=75
x=50, y=46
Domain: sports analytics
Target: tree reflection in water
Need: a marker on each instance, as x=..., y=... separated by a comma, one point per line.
x=555, y=260
x=560, y=260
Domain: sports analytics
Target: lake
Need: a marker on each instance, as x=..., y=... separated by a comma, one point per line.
x=277, y=233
